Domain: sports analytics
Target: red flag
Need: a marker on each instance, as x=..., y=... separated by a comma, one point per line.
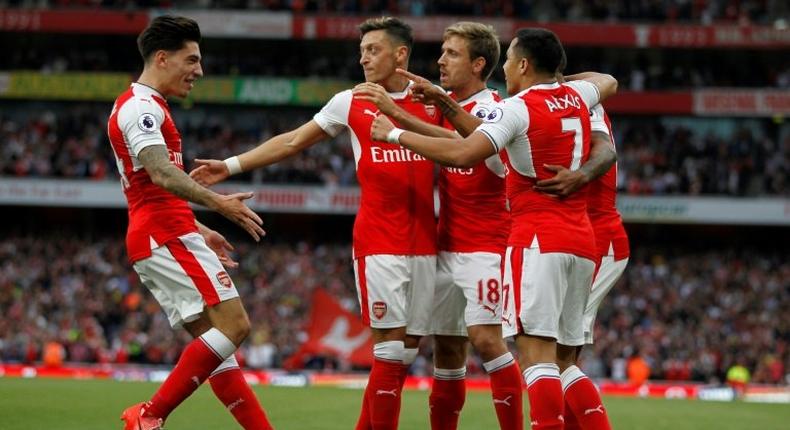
x=334, y=331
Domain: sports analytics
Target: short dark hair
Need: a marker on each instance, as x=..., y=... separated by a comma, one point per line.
x=481, y=41
x=542, y=47
x=168, y=33
x=396, y=29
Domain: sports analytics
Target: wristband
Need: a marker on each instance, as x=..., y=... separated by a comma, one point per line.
x=233, y=165
x=394, y=135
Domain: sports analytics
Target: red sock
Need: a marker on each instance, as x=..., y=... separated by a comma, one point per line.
x=571, y=423
x=385, y=394
x=363, y=423
x=447, y=398
x=545, y=396
x=232, y=390
x=506, y=391
x=584, y=400
x=197, y=361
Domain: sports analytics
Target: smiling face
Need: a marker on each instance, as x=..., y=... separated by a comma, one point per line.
x=180, y=69
x=378, y=56
x=456, y=69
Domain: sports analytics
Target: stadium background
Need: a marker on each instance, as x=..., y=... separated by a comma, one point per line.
x=703, y=147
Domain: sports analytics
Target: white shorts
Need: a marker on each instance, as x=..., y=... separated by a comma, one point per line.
x=468, y=292
x=185, y=275
x=550, y=294
x=396, y=291
x=608, y=274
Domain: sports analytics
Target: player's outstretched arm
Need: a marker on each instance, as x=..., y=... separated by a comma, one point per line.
x=566, y=182
x=425, y=92
x=606, y=84
x=377, y=95
x=218, y=244
x=449, y=152
x=156, y=161
x=210, y=172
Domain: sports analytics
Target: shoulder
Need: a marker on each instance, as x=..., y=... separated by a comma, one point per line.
x=142, y=111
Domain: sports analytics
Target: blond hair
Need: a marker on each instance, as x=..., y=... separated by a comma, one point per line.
x=481, y=41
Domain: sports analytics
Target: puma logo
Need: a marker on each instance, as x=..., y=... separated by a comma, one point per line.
x=599, y=408
x=393, y=392
x=235, y=403
x=196, y=380
x=371, y=113
x=490, y=309
x=505, y=401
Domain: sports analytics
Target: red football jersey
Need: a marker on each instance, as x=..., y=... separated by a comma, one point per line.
x=545, y=124
x=610, y=235
x=140, y=118
x=396, y=213
x=473, y=215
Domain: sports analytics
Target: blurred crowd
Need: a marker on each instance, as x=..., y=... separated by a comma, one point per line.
x=636, y=69
x=692, y=316
x=689, y=316
x=699, y=11
x=656, y=157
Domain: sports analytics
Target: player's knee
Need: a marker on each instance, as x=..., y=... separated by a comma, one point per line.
x=237, y=331
x=449, y=353
x=488, y=344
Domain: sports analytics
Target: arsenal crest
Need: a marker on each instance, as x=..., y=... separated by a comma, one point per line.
x=224, y=279
x=379, y=309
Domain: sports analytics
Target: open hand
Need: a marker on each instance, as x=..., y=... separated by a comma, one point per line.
x=233, y=208
x=209, y=172
x=563, y=184
x=377, y=95
x=221, y=247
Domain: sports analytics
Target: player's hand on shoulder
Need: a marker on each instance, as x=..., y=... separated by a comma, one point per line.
x=221, y=247
x=209, y=172
x=233, y=208
x=380, y=128
x=564, y=183
x=375, y=94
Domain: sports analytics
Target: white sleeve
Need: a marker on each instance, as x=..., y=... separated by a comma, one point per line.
x=587, y=90
x=333, y=117
x=597, y=122
x=503, y=121
x=141, y=122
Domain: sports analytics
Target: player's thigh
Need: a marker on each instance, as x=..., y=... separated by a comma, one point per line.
x=420, y=293
x=447, y=314
x=185, y=276
x=511, y=290
x=606, y=277
x=382, y=283
x=578, y=275
x=542, y=292
x=479, y=276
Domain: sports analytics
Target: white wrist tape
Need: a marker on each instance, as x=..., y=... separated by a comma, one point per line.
x=233, y=165
x=394, y=135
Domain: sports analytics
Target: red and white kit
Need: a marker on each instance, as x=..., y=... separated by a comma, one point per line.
x=611, y=240
x=551, y=249
x=162, y=240
x=395, y=229
x=473, y=229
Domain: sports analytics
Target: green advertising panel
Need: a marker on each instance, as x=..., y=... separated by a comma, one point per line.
x=226, y=90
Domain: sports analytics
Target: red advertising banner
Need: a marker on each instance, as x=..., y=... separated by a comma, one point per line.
x=70, y=21
x=284, y=25
x=742, y=102
x=334, y=331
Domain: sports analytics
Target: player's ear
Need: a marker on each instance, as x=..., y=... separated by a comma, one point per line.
x=160, y=58
x=477, y=66
x=523, y=65
x=402, y=54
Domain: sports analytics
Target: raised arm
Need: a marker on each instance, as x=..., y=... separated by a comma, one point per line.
x=156, y=161
x=210, y=172
x=464, y=152
x=606, y=84
x=377, y=95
